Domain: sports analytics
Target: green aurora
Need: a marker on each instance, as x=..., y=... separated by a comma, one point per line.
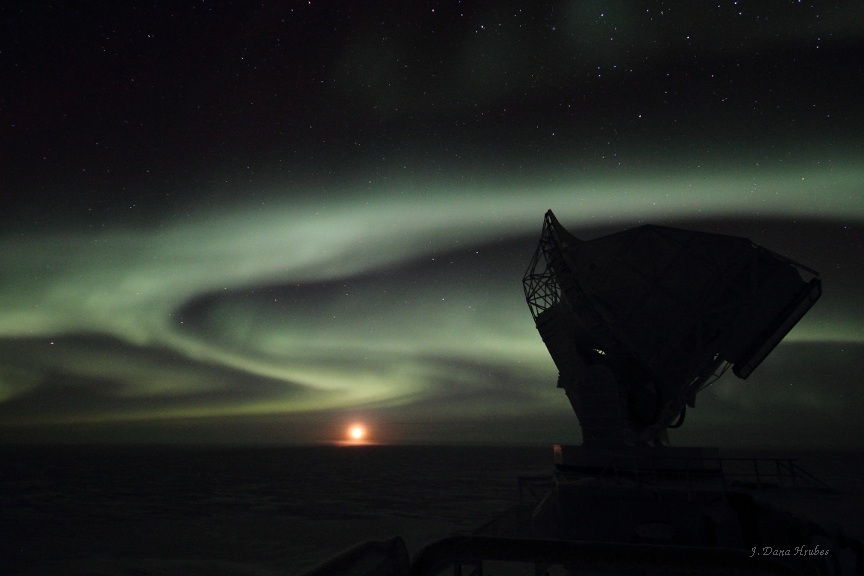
x=347, y=240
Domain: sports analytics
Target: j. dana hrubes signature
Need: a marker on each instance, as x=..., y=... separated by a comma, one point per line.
x=796, y=551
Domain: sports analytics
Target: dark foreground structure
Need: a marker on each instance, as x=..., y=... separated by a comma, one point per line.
x=637, y=324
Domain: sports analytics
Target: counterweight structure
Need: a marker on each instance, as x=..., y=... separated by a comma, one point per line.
x=640, y=321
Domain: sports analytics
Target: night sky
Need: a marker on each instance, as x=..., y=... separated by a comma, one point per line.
x=264, y=221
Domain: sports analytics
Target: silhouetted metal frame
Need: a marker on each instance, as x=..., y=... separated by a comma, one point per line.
x=541, y=288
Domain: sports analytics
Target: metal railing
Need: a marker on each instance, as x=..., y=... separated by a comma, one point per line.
x=780, y=472
x=466, y=556
x=370, y=558
x=473, y=551
x=725, y=473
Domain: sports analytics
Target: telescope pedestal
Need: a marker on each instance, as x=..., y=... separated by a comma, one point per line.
x=637, y=459
x=636, y=494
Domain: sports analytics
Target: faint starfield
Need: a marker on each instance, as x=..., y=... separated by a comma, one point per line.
x=260, y=224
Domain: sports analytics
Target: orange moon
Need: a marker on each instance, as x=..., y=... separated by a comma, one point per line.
x=357, y=432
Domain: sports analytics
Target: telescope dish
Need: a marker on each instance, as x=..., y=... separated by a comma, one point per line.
x=639, y=321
